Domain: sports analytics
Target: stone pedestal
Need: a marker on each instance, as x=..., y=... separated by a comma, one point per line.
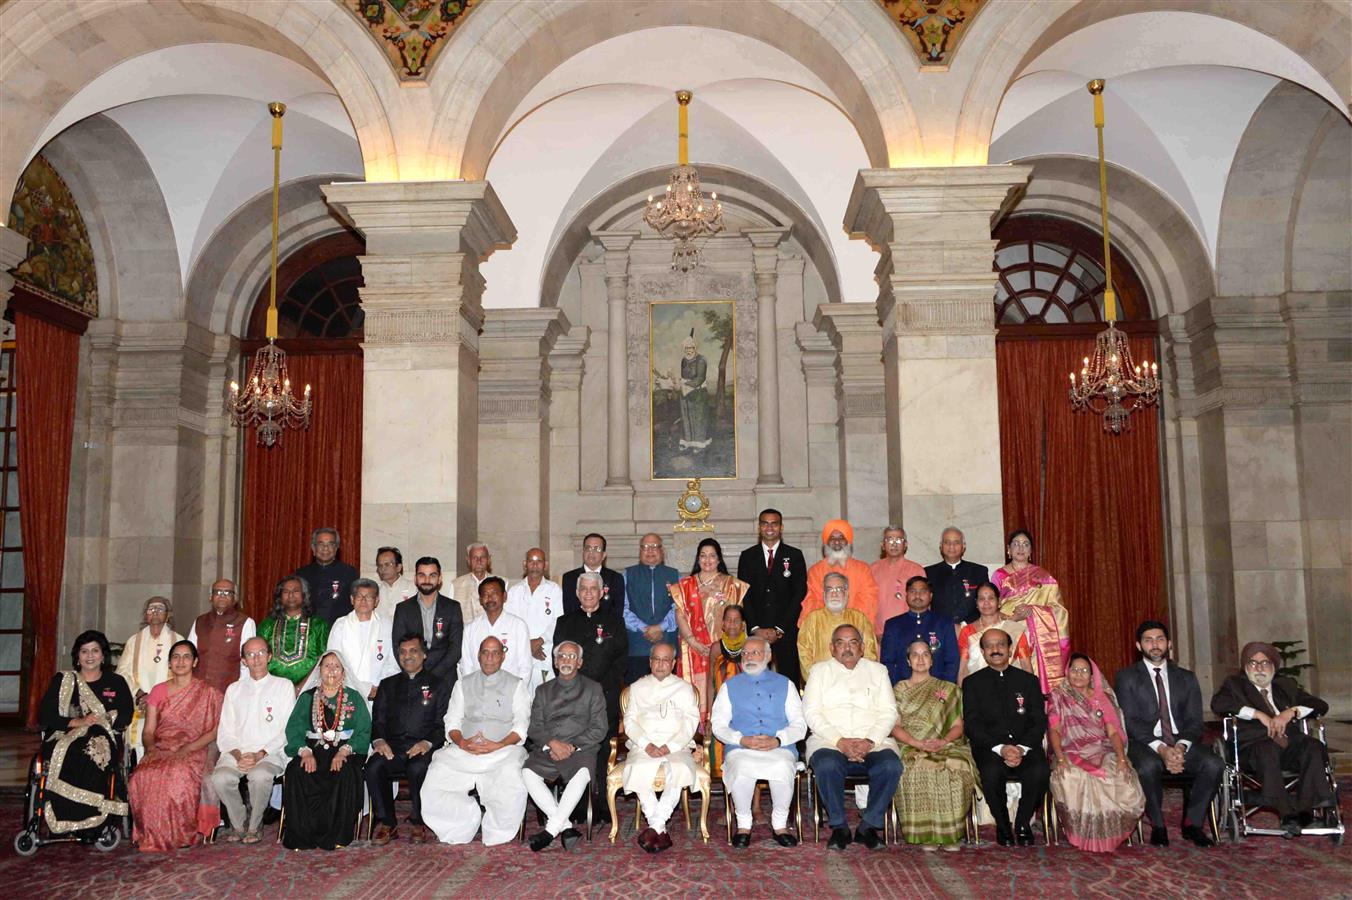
x=420, y=411
x=932, y=229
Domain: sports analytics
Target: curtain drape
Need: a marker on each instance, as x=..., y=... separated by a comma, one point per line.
x=307, y=480
x=46, y=365
x=1091, y=499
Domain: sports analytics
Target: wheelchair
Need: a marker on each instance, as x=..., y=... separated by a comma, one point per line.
x=1239, y=796
x=36, y=833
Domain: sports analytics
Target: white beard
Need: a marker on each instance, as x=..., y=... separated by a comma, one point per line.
x=1259, y=679
x=835, y=558
x=753, y=668
x=838, y=608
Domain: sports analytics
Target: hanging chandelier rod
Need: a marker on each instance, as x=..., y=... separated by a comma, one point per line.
x=1109, y=295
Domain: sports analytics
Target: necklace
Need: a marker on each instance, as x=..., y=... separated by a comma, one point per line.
x=703, y=583
x=297, y=653
x=319, y=716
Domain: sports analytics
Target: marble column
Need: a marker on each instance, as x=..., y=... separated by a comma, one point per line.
x=765, y=256
x=854, y=332
x=932, y=229
x=616, y=258
x=514, y=385
x=566, y=368
x=420, y=408
x=817, y=357
x=13, y=250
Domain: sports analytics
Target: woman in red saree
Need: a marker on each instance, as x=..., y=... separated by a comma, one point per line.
x=700, y=599
x=171, y=802
x=1030, y=594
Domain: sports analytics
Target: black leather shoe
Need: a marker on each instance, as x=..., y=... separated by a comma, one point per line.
x=1159, y=836
x=840, y=839
x=1024, y=835
x=741, y=840
x=868, y=836
x=1003, y=836
x=1290, y=826
x=540, y=840
x=1197, y=836
x=569, y=838
x=786, y=839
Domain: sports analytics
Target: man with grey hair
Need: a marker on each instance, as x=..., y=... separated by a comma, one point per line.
x=758, y=716
x=567, y=725
x=330, y=579
x=145, y=659
x=954, y=580
x=659, y=728
x=465, y=589
x=814, y=635
x=892, y=571
x=365, y=639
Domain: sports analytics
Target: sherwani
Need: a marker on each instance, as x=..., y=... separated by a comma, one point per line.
x=515, y=639
x=496, y=705
x=814, y=636
x=930, y=626
x=539, y=609
x=664, y=713
x=144, y=664
x=573, y=712
x=253, y=718
x=368, y=648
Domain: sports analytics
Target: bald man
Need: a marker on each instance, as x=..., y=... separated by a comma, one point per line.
x=538, y=602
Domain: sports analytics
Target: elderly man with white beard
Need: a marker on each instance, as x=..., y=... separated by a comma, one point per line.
x=838, y=558
x=814, y=634
x=758, y=716
x=486, y=722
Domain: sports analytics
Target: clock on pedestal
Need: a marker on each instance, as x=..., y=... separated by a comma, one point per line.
x=693, y=508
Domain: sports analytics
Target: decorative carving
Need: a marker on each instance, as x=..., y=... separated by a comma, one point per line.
x=442, y=324
x=856, y=404
x=60, y=260
x=933, y=27
x=411, y=32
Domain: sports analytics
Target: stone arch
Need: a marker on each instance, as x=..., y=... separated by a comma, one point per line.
x=1318, y=255
x=55, y=50
x=1253, y=243
x=235, y=263
x=1321, y=36
x=135, y=255
x=615, y=207
x=502, y=50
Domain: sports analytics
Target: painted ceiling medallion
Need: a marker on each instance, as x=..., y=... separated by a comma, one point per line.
x=933, y=28
x=411, y=32
x=60, y=261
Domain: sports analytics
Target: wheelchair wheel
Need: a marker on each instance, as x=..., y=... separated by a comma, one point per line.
x=108, y=839
x=25, y=843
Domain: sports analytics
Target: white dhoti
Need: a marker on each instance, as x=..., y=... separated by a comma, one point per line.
x=641, y=770
x=742, y=768
x=450, y=811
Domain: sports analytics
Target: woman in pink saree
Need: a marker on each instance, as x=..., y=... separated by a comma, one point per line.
x=1098, y=796
x=1030, y=594
x=170, y=800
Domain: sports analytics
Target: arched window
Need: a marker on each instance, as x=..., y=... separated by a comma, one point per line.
x=1050, y=272
x=317, y=295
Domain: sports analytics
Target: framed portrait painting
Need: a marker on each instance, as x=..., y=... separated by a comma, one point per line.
x=692, y=353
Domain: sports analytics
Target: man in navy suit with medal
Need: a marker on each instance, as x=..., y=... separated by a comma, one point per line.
x=777, y=574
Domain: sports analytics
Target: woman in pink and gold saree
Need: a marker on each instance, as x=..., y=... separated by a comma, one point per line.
x=700, y=599
x=172, y=803
x=1030, y=594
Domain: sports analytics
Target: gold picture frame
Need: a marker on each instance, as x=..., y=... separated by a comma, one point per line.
x=692, y=399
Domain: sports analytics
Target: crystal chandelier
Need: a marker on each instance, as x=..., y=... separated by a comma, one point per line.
x=266, y=401
x=683, y=210
x=1110, y=383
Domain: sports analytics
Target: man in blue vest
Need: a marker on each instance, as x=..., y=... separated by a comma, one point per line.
x=649, y=613
x=758, y=716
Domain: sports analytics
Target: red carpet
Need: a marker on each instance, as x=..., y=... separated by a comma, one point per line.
x=1261, y=868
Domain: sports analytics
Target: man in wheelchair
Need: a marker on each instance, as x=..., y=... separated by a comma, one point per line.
x=1271, y=739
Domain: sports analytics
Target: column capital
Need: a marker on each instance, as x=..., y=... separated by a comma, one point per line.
x=410, y=217
x=616, y=256
x=854, y=331
x=765, y=247
x=883, y=200
x=567, y=356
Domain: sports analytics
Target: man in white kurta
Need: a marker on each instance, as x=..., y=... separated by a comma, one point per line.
x=395, y=586
x=538, y=602
x=486, y=725
x=252, y=739
x=364, y=638
x=510, y=631
x=850, y=711
x=145, y=661
x=758, y=716
x=659, y=727
x=465, y=589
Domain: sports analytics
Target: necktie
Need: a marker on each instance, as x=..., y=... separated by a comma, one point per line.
x=1166, y=726
x=1272, y=711
x=769, y=559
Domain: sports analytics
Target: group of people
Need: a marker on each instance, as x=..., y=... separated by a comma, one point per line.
x=933, y=685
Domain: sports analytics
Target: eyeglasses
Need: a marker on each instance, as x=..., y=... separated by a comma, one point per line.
x=663, y=660
x=218, y=593
x=568, y=657
x=1258, y=664
x=651, y=546
x=892, y=542
x=835, y=590
x=1078, y=671
x=157, y=608
x=1020, y=544
x=255, y=654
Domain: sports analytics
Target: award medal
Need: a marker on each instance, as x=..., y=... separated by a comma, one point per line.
x=426, y=694
x=335, y=589
x=600, y=633
x=380, y=648
x=230, y=632
x=1018, y=698
x=159, y=652
x=440, y=628
x=786, y=568
x=268, y=717
x=933, y=641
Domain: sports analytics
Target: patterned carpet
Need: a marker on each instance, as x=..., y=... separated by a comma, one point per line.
x=1262, y=868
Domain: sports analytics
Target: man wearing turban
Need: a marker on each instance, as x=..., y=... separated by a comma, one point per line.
x=838, y=556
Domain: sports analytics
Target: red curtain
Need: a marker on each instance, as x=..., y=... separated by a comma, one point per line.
x=1090, y=498
x=46, y=364
x=308, y=479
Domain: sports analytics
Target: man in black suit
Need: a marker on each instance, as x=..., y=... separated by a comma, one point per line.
x=1162, y=708
x=954, y=580
x=1005, y=719
x=1270, y=708
x=605, y=660
x=777, y=574
x=434, y=616
x=405, y=729
x=594, y=560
